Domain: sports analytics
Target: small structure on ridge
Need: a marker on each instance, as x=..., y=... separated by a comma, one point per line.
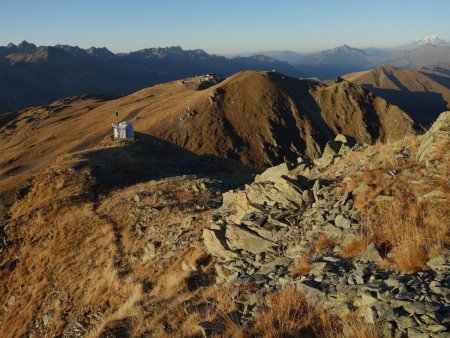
x=123, y=130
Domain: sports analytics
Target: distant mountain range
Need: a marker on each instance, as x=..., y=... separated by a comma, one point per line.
x=338, y=61
x=423, y=93
x=32, y=75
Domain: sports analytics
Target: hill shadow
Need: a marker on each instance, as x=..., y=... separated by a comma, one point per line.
x=127, y=163
x=440, y=74
x=422, y=107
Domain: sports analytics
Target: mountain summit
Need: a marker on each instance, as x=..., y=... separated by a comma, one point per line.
x=428, y=40
x=257, y=118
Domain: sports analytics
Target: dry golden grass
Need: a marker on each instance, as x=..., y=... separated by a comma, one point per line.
x=412, y=229
x=171, y=284
x=287, y=314
x=355, y=248
x=301, y=266
x=324, y=243
x=356, y=327
x=67, y=255
x=414, y=232
x=83, y=259
x=129, y=309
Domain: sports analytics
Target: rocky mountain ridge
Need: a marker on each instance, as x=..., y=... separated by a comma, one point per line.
x=257, y=118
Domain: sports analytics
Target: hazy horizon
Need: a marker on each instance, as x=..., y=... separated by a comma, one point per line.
x=224, y=29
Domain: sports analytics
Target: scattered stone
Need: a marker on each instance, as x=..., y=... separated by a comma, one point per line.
x=405, y=322
x=367, y=299
x=342, y=222
x=370, y=315
x=149, y=252
x=436, y=328
x=341, y=138
x=362, y=188
x=384, y=198
x=225, y=275
x=308, y=196
x=371, y=254
x=237, y=203
x=420, y=308
x=437, y=195
x=439, y=263
x=48, y=318
x=187, y=221
x=415, y=333
x=315, y=190
x=331, y=231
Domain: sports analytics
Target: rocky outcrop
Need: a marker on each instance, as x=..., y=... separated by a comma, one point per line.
x=262, y=230
x=435, y=139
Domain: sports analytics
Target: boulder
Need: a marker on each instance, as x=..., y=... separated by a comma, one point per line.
x=341, y=138
x=282, y=192
x=329, y=153
x=236, y=204
x=239, y=237
x=273, y=173
x=313, y=296
x=214, y=245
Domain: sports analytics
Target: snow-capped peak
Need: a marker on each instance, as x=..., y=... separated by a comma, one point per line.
x=428, y=40
x=431, y=39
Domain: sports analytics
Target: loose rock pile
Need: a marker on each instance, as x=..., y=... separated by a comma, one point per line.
x=263, y=229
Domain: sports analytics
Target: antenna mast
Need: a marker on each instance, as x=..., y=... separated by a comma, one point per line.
x=117, y=115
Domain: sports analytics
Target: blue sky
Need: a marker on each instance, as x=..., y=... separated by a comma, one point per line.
x=226, y=26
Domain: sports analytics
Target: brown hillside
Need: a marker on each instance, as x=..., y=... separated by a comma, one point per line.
x=260, y=117
x=254, y=117
x=423, y=92
x=109, y=242
x=79, y=254
x=349, y=109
